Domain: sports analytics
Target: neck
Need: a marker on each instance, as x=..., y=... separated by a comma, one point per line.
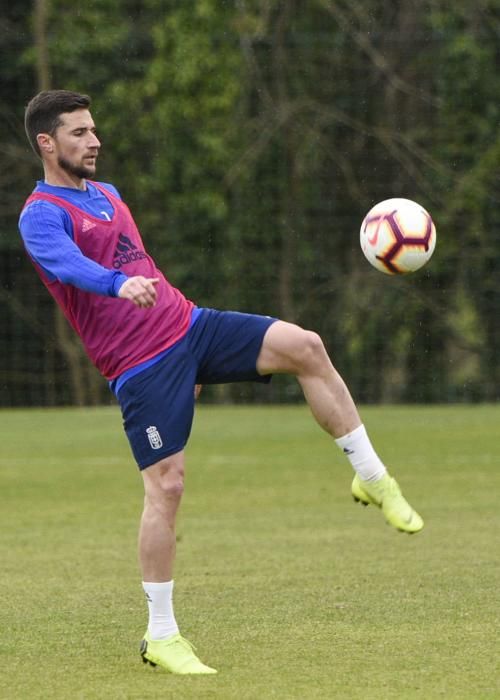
x=60, y=178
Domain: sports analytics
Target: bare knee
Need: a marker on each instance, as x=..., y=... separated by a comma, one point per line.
x=164, y=481
x=310, y=353
x=172, y=484
x=288, y=348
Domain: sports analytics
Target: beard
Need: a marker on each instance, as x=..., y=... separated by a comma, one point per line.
x=80, y=171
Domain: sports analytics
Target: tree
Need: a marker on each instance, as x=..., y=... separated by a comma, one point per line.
x=250, y=139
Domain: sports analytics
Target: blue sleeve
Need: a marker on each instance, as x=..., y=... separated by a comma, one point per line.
x=47, y=233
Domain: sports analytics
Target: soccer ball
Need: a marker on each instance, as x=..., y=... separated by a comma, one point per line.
x=397, y=236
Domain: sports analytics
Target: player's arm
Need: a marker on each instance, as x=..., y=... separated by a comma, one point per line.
x=44, y=230
x=140, y=290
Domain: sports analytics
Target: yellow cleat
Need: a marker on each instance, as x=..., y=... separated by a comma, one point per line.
x=175, y=655
x=386, y=494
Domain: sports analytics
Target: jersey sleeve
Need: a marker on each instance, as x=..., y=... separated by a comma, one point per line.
x=46, y=230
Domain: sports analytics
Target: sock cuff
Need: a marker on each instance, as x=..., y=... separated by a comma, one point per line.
x=158, y=586
x=358, y=432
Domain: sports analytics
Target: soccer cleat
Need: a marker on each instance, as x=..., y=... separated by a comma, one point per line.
x=175, y=655
x=386, y=494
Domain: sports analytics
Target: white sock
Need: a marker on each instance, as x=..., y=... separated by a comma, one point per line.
x=359, y=450
x=162, y=622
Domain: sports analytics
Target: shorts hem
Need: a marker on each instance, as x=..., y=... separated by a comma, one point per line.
x=162, y=454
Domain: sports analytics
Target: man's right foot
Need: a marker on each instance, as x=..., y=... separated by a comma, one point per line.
x=175, y=655
x=386, y=494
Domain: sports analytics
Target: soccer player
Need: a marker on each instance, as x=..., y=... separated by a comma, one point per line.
x=154, y=347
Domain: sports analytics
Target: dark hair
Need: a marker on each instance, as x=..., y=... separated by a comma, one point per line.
x=42, y=115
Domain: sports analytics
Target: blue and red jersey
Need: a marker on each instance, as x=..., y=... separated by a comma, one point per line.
x=84, y=245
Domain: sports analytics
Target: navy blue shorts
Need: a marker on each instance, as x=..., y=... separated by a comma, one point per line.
x=158, y=403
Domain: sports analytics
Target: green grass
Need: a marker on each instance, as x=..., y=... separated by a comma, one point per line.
x=284, y=585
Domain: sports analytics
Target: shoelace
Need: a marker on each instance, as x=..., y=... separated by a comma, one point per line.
x=185, y=643
x=393, y=488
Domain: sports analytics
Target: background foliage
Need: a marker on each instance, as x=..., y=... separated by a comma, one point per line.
x=249, y=139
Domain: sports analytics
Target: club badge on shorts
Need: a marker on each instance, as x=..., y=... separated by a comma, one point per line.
x=154, y=437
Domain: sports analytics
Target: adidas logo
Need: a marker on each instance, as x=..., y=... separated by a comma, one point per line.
x=87, y=225
x=126, y=252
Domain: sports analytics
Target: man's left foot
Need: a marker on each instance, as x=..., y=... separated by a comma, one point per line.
x=386, y=494
x=175, y=655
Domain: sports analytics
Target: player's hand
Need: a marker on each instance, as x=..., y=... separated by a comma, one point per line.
x=141, y=291
x=197, y=390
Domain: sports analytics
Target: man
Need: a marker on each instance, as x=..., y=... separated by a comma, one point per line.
x=154, y=346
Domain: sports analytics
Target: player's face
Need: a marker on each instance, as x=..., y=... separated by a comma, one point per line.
x=76, y=144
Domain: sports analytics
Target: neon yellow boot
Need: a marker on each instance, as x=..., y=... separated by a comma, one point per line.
x=175, y=655
x=386, y=494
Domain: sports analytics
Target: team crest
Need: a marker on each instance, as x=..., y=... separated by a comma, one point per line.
x=154, y=437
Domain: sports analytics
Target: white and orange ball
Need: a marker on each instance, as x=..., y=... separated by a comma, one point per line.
x=397, y=236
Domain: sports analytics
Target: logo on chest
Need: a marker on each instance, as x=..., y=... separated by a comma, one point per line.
x=87, y=225
x=126, y=252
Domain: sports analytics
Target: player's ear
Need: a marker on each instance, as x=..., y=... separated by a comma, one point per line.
x=45, y=143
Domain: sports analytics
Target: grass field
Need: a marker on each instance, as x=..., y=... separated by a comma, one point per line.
x=283, y=584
